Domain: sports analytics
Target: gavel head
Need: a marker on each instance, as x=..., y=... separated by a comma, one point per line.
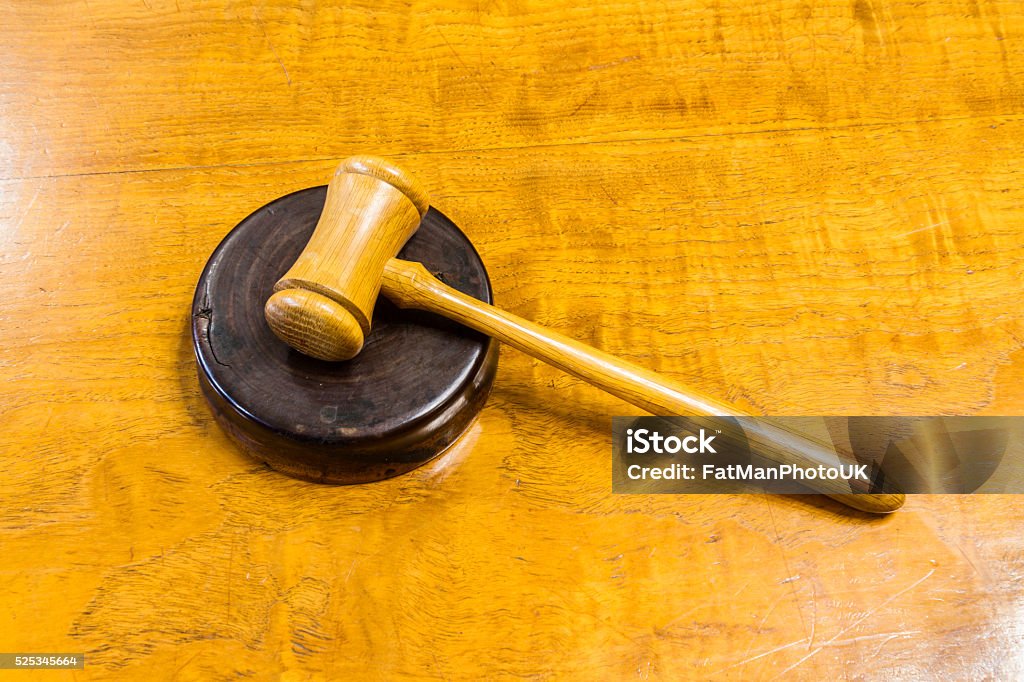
x=323, y=305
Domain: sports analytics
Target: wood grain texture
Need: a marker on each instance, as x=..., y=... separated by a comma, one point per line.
x=323, y=304
x=804, y=207
x=411, y=285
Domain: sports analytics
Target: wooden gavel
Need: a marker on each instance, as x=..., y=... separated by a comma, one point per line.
x=324, y=304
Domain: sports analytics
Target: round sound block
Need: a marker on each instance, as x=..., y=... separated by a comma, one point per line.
x=414, y=388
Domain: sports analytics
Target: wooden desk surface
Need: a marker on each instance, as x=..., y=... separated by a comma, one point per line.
x=804, y=207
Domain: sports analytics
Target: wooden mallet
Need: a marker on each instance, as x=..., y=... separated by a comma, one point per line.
x=323, y=305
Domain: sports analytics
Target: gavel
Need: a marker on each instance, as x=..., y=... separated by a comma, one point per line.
x=323, y=307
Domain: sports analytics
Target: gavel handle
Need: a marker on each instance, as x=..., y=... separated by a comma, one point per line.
x=410, y=285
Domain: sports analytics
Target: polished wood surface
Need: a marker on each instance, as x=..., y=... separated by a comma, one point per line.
x=800, y=207
x=411, y=285
x=323, y=304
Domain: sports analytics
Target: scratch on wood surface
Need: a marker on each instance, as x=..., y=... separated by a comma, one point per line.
x=663, y=629
x=857, y=622
x=785, y=561
x=480, y=82
x=615, y=62
x=231, y=565
x=350, y=569
x=762, y=655
x=24, y=212
x=814, y=615
x=270, y=45
x=867, y=638
x=922, y=229
x=585, y=101
x=886, y=637
x=965, y=556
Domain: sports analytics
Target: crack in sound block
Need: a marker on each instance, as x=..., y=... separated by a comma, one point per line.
x=416, y=386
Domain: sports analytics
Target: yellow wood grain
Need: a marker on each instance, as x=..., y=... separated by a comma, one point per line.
x=803, y=207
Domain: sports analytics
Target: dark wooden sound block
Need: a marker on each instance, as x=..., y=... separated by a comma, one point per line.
x=415, y=387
